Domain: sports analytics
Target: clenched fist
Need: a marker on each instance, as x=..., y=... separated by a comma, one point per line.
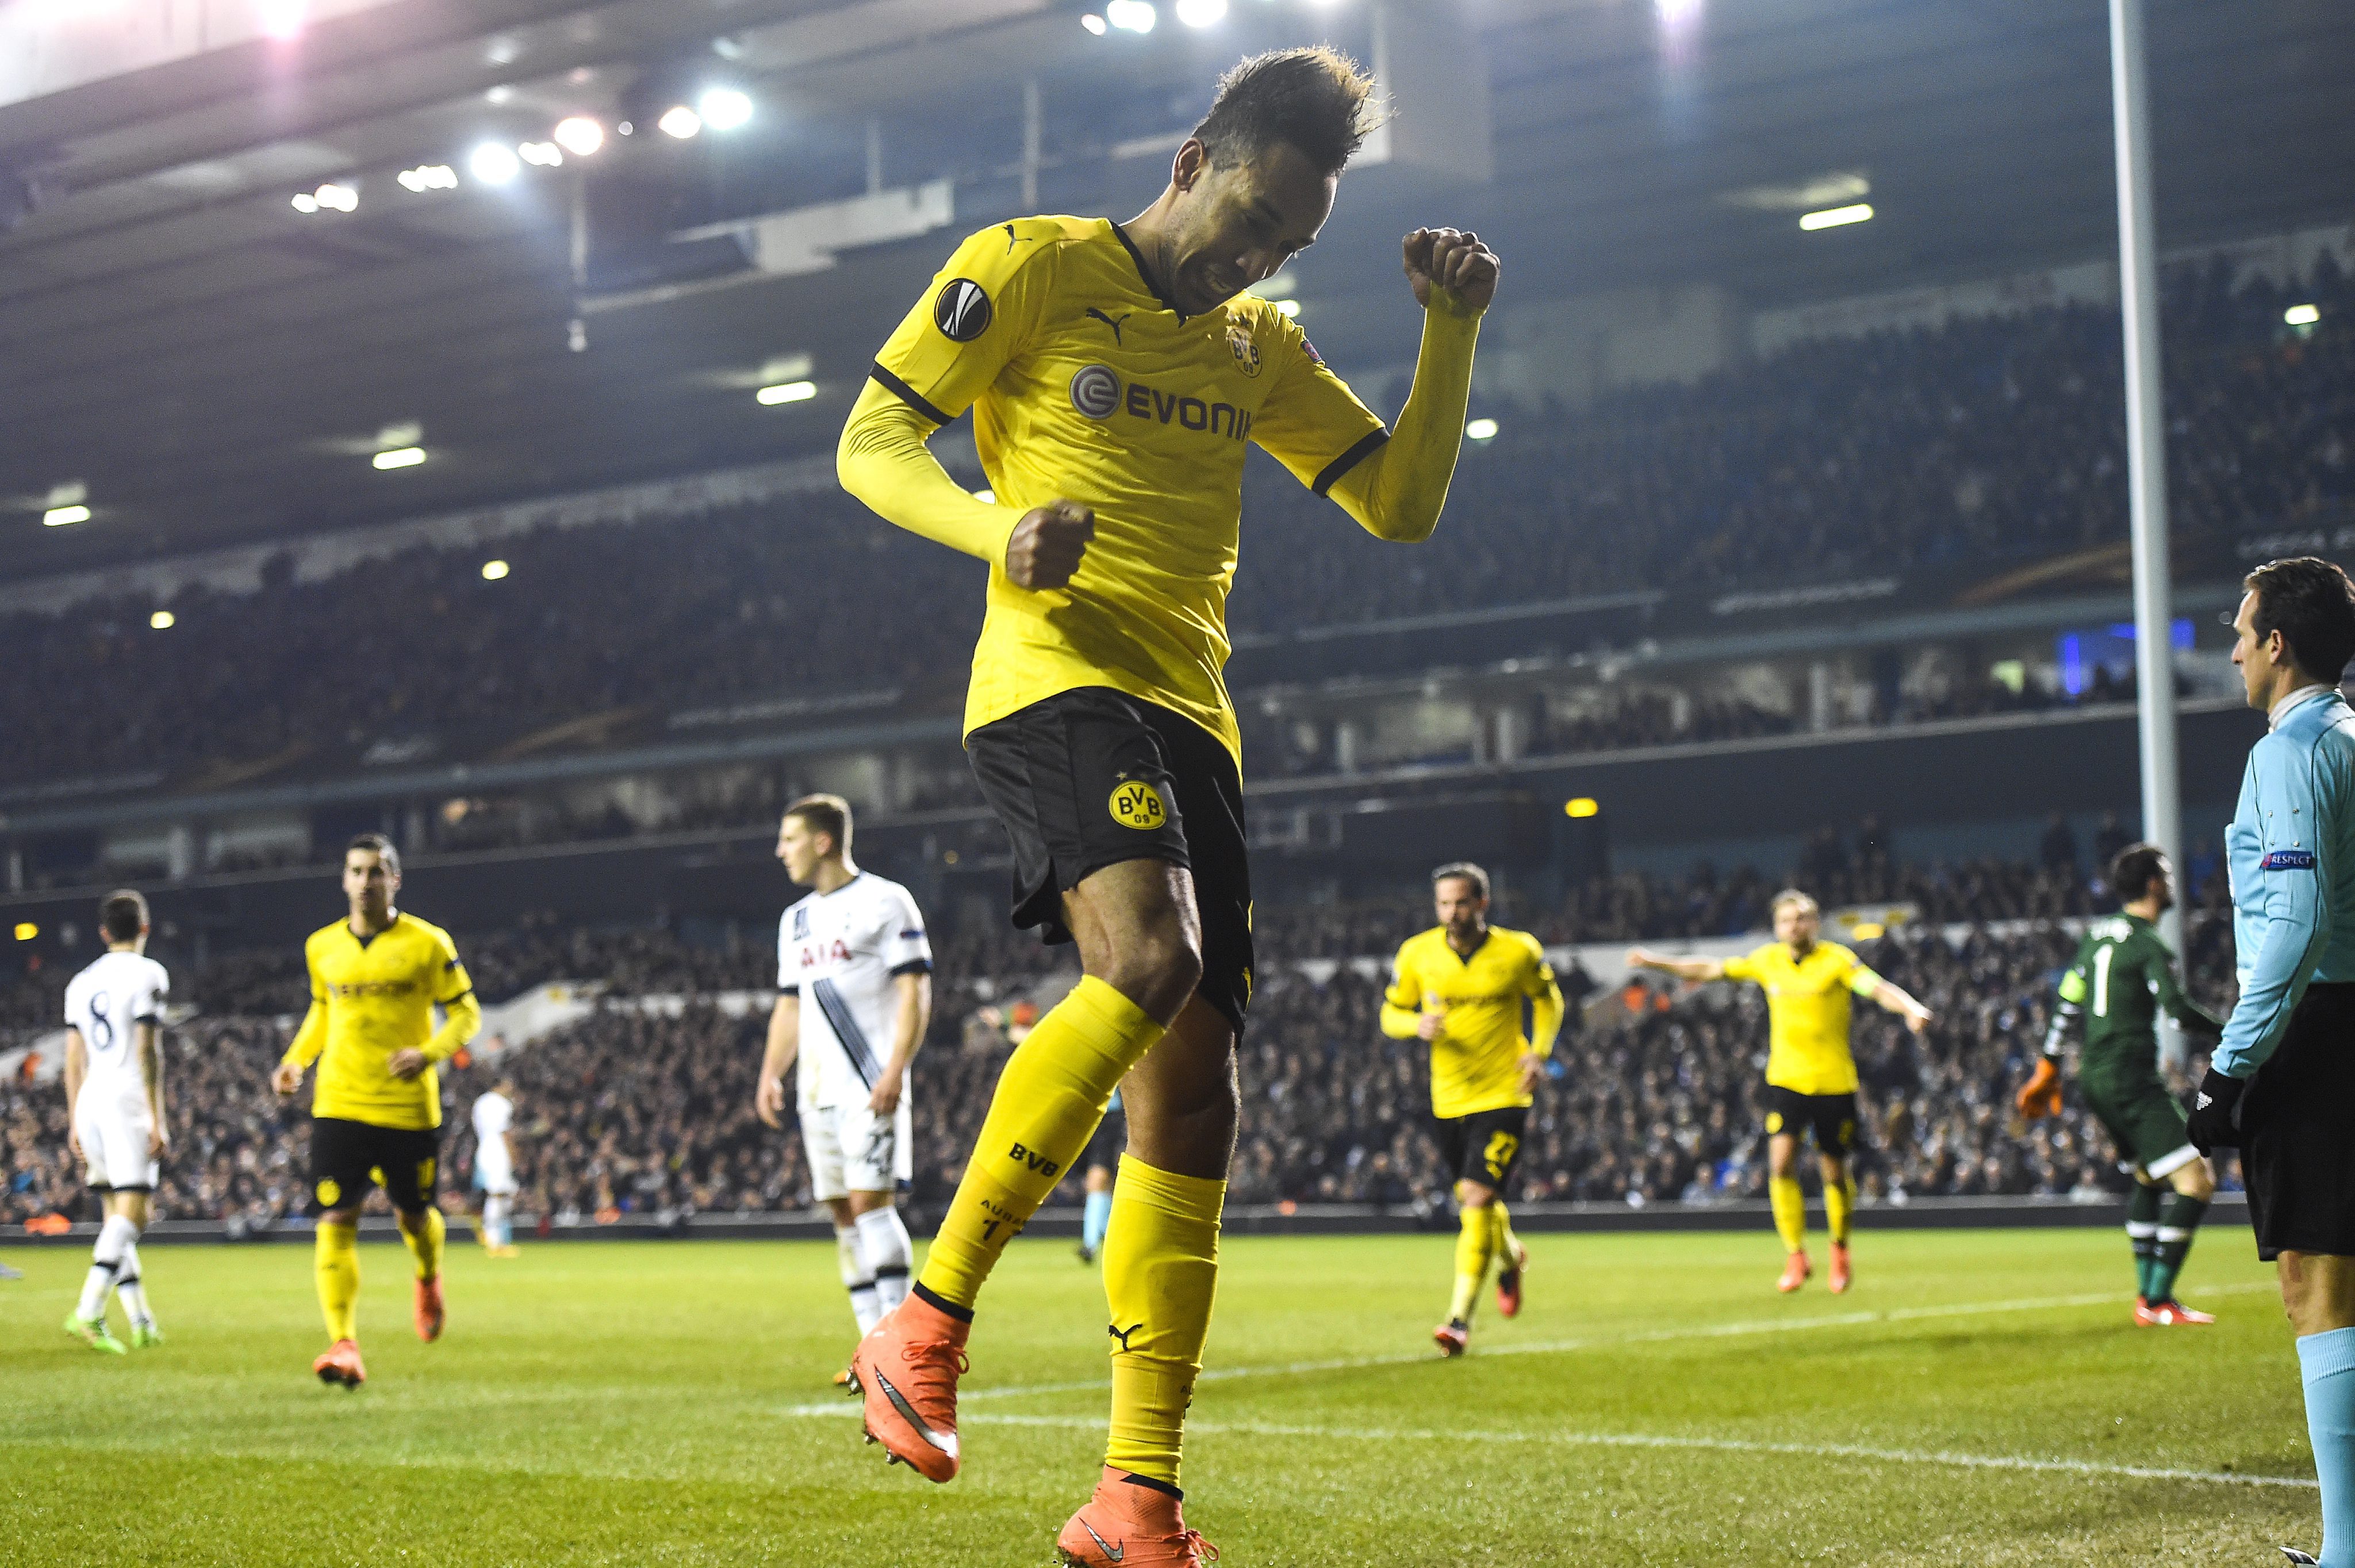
x=1047, y=543
x=1458, y=262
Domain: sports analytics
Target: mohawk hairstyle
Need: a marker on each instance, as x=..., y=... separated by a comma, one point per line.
x=1316, y=99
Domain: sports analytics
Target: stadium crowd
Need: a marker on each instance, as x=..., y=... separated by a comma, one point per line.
x=644, y=1108
x=1981, y=439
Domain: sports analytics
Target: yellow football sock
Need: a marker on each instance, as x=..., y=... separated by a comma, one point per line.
x=424, y=1242
x=336, y=1259
x=1839, y=1203
x=1507, y=1243
x=1048, y=1101
x=1475, y=1245
x=1790, y=1200
x=1160, y=1271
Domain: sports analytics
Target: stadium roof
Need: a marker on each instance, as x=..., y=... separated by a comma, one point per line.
x=215, y=365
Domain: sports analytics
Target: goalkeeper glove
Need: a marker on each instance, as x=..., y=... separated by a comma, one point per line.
x=2040, y=1096
x=2216, y=1112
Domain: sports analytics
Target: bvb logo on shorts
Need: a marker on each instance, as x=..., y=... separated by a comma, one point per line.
x=1137, y=804
x=330, y=1190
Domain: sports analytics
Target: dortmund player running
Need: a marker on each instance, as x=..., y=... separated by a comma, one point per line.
x=1115, y=372
x=2122, y=976
x=375, y=1111
x=1460, y=986
x=1810, y=1071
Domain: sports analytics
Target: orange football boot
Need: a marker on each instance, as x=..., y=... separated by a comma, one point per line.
x=1794, y=1274
x=1841, y=1277
x=1129, y=1524
x=906, y=1372
x=341, y=1364
x=2170, y=1314
x=1451, y=1336
x=429, y=1309
x=1508, y=1281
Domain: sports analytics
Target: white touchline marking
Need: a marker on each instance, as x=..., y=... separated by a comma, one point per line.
x=1713, y=1444
x=1560, y=1347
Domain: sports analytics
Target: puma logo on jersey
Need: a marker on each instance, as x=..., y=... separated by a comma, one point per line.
x=1109, y=320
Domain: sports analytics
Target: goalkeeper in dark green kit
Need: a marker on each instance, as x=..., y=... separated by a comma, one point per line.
x=2122, y=976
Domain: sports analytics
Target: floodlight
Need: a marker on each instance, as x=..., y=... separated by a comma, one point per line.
x=1202, y=13
x=494, y=164
x=427, y=177
x=579, y=135
x=60, y=516
x=544, y=155
x=1093, y=24
x=1130, y=15
x=342, y=198
x=1288, y=309
x=494, y=569
x=305, y=202
x=724, y=108
x=2302, y=315
x=786, y=392
x=282, y=19
x=1481, y=429
x=1836, y=217
x=162, y=620
x=679, y=121
x=399, y=458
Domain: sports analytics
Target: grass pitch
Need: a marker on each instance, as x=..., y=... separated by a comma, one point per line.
x=1979, y=1398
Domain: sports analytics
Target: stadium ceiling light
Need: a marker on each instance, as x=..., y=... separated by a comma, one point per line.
x=1483, y=430
x=342, y=198
x=162, y=620
x=1287, y=308
x=399, y=458
x=1093, y=24
x=1202, y=13
x=786, y=392
x=1584, y=805
x=724, y=108
x=283, y=19
x=579, y=135
x=427, y=177
x=2302, y=315
x=494, y=164
x=305, y=202
x=543, y=155
x=1130, y=15
x=27, y=931
x=494, y=569
x=679, y=121
x=1836, y=217
x=62, y=516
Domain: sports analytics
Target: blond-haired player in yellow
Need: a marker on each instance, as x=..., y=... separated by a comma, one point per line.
x=1810, y=1072
x=1117, y=374
x=376, y=1109
x=1461, y=986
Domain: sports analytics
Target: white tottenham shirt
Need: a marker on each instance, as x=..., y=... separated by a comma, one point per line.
x=107, y=1002
x=841, y=953
x=493, y=1113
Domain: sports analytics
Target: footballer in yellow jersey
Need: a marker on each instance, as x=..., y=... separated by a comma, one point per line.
x=1810, y=1071
x=1461, y=986
x=377, y=976
x=1116, y=373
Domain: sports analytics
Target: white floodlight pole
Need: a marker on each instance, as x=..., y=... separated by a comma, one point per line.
x=2162, y=804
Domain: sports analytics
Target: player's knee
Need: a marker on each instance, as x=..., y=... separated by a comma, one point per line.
x=1157, y=969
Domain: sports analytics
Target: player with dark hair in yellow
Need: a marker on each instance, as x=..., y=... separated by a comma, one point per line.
x=376, y=1109
x=1460, y=986
x=1810, y=1071
x=1116, y=375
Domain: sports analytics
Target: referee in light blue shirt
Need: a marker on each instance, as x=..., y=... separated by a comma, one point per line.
x=2282, y=1084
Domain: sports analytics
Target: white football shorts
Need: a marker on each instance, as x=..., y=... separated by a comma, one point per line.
x=115, y=1137
x=852, y=1149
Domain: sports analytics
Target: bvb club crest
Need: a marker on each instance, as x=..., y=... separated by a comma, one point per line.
x=1245, y=348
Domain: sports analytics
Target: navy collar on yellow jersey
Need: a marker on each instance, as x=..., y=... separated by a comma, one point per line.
x=346, y=923
x=1144, y=271
x=1465, y=958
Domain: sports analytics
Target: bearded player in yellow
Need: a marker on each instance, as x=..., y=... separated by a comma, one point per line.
x=375, y=1110
x=1810, y=1071
x=1460, y=986
x=1116, y=373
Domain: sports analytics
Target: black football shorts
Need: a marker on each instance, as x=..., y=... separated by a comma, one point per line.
x=1092, y=777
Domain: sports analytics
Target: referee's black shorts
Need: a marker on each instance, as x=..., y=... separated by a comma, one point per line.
x=1091, y=777
x=2298, y=1157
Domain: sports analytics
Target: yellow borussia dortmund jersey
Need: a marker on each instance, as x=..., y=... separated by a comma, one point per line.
x=1808, y=1007
x=1086, y=386
x=377, y=995
x=1475, y=1062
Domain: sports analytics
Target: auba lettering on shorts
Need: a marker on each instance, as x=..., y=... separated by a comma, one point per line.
x=1137, y=804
